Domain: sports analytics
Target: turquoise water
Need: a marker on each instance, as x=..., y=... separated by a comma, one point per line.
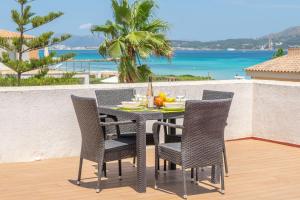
x=221, y=65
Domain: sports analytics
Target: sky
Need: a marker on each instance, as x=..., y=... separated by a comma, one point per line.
x=202, y=20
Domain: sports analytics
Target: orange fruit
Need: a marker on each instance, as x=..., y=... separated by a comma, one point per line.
x=159, y=101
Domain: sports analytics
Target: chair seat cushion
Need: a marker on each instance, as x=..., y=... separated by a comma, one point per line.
x=173, y=138
x=132, y=135
x=170, y=152
x=171, y=146
x=118, y=143
x=119, y=149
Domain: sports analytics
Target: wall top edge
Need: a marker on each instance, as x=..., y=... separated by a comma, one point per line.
x=156, y=84
x=279, y=83
x=103, y=86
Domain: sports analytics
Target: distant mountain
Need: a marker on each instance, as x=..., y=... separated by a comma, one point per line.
x=284, y=39
x=286, y=34
x=83, y=41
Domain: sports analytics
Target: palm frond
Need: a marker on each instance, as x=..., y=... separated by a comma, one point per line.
x=110, y=29
x=156, y=26
x=103, y=49
x=116, y=48
x=142, y=11
x=137, y=37
x=121, y=11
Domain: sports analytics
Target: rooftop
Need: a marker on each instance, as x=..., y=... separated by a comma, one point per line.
x=289, y=63
x=258, y=170
x=10, y=34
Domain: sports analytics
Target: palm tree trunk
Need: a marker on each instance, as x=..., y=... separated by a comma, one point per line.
x=19, y=78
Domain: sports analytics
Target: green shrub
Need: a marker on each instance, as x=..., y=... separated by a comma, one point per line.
x=181, y=78
x=95, y=80
x=12, y=81
x=68, y=75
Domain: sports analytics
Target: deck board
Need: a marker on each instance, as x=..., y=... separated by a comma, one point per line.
x=258, y=170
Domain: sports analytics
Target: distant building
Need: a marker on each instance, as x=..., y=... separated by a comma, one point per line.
x=284, y=68
x=10, y=35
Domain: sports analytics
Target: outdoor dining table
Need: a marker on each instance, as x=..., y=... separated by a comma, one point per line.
x=141, y=117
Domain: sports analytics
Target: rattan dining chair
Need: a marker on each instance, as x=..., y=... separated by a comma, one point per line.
x=207, y=95
x=202, y=138
x=94, y=147
x=114, y=97
x=211, y=95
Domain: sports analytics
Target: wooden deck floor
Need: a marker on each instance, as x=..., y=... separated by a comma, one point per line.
x=258, y=170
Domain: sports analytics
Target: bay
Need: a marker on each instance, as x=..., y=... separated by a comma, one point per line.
x=221, y=65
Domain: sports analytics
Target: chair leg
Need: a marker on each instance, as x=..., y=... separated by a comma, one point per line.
x=192, y=175
x=133, y=162
x=100, y=168
x=156, y=170
x=225, y=160
x=197, y=175
x=165, y=133
x=222, y=180
x=79, y=171
x=104, y=170
x=120, y=169
x=184, y=183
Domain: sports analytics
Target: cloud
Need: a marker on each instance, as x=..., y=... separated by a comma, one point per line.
x=85, y=26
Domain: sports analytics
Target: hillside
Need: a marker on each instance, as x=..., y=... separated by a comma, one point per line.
x=284, y=39
x=83, y=41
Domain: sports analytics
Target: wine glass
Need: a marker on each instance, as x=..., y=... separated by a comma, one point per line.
x=181, y=98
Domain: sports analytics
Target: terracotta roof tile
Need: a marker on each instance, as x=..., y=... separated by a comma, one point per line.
x=289, y=63
x=10, y=34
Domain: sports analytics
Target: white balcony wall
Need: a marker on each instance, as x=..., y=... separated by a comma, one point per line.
x=40, y=123
x=276, y=111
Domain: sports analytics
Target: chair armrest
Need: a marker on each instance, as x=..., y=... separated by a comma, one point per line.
x=156, y=129
x=103, y=116
x=116, y=123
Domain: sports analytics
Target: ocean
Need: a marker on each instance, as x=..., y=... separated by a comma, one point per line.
x=221, y=65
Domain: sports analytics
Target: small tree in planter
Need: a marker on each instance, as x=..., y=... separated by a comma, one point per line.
x=280, y=52
x=27, y=21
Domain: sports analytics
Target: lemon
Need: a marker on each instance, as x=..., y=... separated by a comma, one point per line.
x=163, y=96
x=169, y=99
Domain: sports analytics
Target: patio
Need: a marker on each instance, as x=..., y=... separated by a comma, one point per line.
x=258, y=170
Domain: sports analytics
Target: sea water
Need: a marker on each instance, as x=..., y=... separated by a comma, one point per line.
x=221, y=65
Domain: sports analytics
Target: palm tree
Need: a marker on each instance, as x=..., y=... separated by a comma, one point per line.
x=134, y=35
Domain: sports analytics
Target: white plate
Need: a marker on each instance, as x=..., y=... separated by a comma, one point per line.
x=174, y=105
x=130, y=103
x=129, y=107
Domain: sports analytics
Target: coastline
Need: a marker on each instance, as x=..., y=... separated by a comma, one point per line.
x=174, y=48
x=220, y=64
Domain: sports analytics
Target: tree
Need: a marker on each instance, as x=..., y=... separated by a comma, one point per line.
x=26, y=21
x=134, y=35
x=280, y=52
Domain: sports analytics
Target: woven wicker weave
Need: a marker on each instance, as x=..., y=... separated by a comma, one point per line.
x=94, y=146
x=207, y=95
x=211, y=95
x=114, y=97
x=202, y=137
x=140, y=118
